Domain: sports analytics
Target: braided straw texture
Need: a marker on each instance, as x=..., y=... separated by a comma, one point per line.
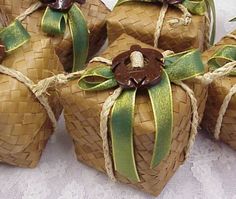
x=94, y=11
x=24, y=123
x=139, y=20
x=82, y=115
x=217, y=92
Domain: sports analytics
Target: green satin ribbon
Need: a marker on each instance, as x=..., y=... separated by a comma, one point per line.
x=14, y=36
x=54, y=23
x=223, y=56
x=177, y=67
x=197, y=7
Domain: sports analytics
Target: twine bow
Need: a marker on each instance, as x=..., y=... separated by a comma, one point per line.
x=177, y=67
x=54, y=23
x=196, y=7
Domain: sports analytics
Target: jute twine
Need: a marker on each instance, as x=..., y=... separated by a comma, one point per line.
x=104, y=116
x=30, y=10
x=195, y=117
x=40, y=89
x=42, y=86
x=30, y=84
x=185, y=20
x=207, y=79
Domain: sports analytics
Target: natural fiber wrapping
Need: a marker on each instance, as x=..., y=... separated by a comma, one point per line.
x=24, y=123
x=139, y=20
x=217, y=92
x=94, y=11
x=82, y=116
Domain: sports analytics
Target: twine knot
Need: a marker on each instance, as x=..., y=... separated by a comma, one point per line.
x=185, y=20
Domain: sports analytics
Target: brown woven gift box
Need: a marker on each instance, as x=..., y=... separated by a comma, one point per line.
x=217, y=93
x=24, y=123
x=82, y=116
x=94, y=11
x=139, y=20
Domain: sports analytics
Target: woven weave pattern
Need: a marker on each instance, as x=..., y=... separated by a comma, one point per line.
x=82, y=115
x=139, y=20
x=94, y=11
x=24, y=123
x=217, y=92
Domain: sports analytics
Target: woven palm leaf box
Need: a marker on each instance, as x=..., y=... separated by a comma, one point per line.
x=83, y=107
x=34, y=35
x=24, y=120
x=93, y=12
x=220, y=120
x=169, y=25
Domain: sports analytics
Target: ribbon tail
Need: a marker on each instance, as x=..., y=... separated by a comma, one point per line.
x=175, y=65
x=162, y=105
x=80, y=38
x=121, y=125
x=14, y=36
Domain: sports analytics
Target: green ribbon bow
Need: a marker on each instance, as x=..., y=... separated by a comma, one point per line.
x=223, y=56
x=14, y=36
x=54, y=23
x=177, y=67
x=197, y=7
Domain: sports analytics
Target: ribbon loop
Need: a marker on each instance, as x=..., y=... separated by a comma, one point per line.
x=54, y=23
x=96, y=79
x=223, y=56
